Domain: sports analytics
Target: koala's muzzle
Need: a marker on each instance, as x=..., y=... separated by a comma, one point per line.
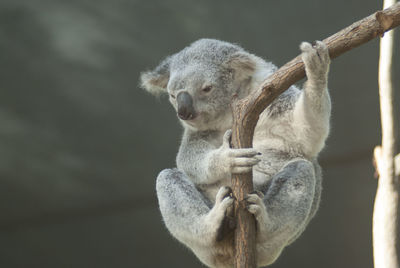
x=185, y=106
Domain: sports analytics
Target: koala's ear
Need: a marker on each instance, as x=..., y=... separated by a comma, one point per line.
x=243, y=64
x=156, y=81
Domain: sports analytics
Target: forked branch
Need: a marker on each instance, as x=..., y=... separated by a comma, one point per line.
x=246, y=113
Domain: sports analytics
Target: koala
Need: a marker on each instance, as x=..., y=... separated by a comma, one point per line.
x=195, y=198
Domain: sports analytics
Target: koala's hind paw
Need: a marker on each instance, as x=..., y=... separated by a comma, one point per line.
x=223, y=193
x=316, y=59
x=224, y=201
x=224, y=197
x=220, y=220
x=255, y=205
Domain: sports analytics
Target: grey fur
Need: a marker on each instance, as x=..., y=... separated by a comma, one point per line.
x=195, y=199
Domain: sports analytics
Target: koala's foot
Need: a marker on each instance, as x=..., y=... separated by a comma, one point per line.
x=224, y=198
x=316, y=60
x=224, y=204
x=220, y=218
x=255, y=205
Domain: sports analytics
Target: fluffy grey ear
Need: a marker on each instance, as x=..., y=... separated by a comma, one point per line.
x=156, y=81
x=243, y=64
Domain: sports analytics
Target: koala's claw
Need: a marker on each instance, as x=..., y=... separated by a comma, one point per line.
x=316, y=59
x=223, y=193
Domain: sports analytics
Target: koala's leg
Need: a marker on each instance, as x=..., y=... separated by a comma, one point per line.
x=312, y=109
x=284, y=209
x=188, y=215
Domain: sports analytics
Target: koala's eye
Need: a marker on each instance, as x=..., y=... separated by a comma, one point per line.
x=207, y=89
x=172, y=96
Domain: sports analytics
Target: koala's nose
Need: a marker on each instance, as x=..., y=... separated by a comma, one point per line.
x=185, y=106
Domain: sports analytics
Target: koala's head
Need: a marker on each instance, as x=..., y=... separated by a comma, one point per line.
x=201, y=81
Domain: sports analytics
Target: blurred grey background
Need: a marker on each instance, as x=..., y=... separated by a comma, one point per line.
x=81, y=144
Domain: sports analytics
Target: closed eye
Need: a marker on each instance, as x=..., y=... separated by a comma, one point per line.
x=172, y=96
x=207, y=89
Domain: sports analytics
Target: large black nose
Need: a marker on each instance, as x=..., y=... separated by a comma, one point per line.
x=185, y=106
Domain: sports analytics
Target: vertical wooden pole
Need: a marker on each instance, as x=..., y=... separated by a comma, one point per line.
x=386, y=207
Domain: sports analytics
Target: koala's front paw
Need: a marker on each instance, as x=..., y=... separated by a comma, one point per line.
x=316, y=60
x=229, y=160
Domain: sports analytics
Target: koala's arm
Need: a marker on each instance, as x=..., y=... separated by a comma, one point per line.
x=312, y=109
x=206, y=163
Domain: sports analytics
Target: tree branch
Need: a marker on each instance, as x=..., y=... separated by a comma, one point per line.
x=247, y=111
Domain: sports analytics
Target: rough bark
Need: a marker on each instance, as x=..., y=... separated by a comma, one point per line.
x=386, y=207
x=246, y=113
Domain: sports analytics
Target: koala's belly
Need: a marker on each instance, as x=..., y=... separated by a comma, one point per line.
x=272, y=161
